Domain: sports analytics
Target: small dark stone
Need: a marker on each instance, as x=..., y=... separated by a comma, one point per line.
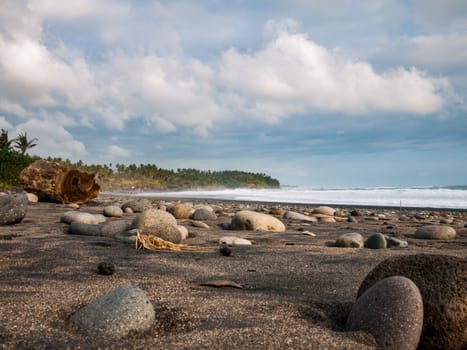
x=106, y=268
x=376, y=241
x=355, y=212
x=225, y=251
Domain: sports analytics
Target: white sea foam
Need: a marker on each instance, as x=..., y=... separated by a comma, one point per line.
x=408, y=197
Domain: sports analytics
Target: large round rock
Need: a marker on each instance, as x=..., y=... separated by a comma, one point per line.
x=350, y=240
x=325, y=210
x=250, y=220
x=442, y=281
x=392, y=311
x=204, y=214
x=153, y=217
x=169, y=233
x=441, y=232
x=13, y=209
x=123, y=311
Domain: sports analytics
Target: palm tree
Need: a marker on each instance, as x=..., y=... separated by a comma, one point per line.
x=23, y=144
x=5, y=142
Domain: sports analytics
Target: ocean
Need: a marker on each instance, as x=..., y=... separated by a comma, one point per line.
x=454, y=197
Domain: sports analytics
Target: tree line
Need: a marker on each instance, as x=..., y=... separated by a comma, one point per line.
x=14, y=158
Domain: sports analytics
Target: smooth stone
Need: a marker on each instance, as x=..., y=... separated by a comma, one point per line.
x=112, y=228
x=128, y=236
x=182, y=211
x=352, y=219
x=225, y=251
x=376, y=241
x=166, y=232
x=13, y=209
x=106, y=268
x=327, y=220
x=205, y=206
x=392, y=311
x=32, y=197
x=292, y=215
x=250, y=220
x=372, y=218
x=393, y=242
x=152, y=217
x=325, y=210
x=350, y=240
x=442, y=281
x=440, y=232
x=79, y=228
x=234, y=241
x=183, y=231
x=113, y=211
x=204, y=214
x=124, y=311
x=137, y=205
x=199, y=224
x=82, y=217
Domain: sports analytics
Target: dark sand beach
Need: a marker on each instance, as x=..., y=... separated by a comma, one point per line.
x=297, y=289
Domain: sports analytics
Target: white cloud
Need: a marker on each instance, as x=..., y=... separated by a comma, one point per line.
x=53, y=140
x=294, y=75
x=114, y=151
x=4, y=123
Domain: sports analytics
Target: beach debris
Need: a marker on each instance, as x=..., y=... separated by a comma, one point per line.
x=106, y=268
x=309, y=233
x=222, y=284
x=53, y=181
x=442, y=281
x=439, y=232
x=13, y=209
x=125, y=310
x=225, y=250
x=151, y=242
x=253, y=221
x=234, y=241
x=376, y=241
x=396, y=324
x=350, y=240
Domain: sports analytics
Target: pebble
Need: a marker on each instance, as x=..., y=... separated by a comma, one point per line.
x=106, y=268
x=292, y=215
x=182, y=211
x=234, y=241
x=392, y=311
x=112, y=228
x=199, y=224
x=124, y=311
x=350, y=240
x=225, y=251
x=137, y=205
x=82, y=217
x=376, y=241
x=113, y=211
x=204, y=214
x=325, y=210
x=32, y=197
x=439, y=232
x=393, y=242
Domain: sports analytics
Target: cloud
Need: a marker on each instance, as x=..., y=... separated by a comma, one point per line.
x=294, y=75
x=114, y=151
x=53, y=140
x=4, y=123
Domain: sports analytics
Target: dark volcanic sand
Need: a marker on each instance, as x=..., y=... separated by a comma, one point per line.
x=297, y=289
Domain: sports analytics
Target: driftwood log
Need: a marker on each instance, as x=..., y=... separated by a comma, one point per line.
x=52, y=181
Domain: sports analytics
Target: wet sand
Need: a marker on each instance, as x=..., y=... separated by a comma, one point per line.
x=297, y=289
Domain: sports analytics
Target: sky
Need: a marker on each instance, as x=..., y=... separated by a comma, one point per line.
x=319, y=93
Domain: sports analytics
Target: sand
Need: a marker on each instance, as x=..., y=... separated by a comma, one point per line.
x=297, y=289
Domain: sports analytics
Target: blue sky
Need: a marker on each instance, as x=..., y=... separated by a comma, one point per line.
x=317, y=93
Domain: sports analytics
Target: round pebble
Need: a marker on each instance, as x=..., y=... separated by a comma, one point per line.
x=106, y=268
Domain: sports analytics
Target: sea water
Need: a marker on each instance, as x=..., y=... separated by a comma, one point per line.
x=424, y=197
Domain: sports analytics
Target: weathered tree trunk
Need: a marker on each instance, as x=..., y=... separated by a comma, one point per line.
x=52, y=181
